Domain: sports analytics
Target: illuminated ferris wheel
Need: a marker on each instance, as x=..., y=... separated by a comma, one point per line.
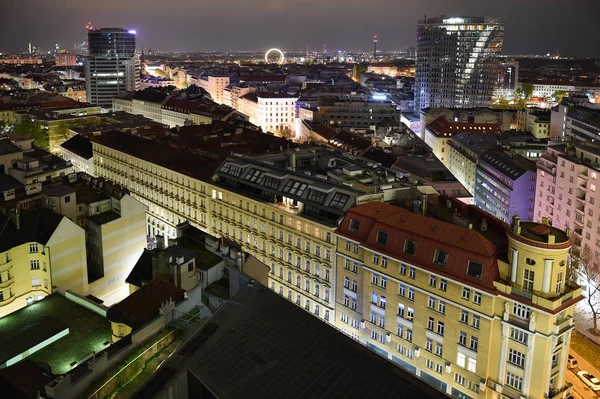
x=275, y=50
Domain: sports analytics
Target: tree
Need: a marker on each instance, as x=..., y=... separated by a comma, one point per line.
x=588, y=269
x=34, y=129
x=559, y=95
x=501, y=104
x=527, y=89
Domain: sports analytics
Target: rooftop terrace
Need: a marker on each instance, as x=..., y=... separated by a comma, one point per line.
x=87, y=331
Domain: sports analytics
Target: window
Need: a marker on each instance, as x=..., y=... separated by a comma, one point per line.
x=354, y=225
x=517, y=358
x=355, y=248
x=440, y=328
x=521, y=311
x=430, y=323
x=382, y=301
x=319, y=198
x=294, y=187
x=439, y=349
x=401, y=310
x=67, y=199
x=374, y=297
x=354, y=285
x=410, y=314
x=514, y=381
x=475, y=321
x=374, y=335
x=409, y=335
x=403, y=269
x=348, y=245
x=474, y=269
x=461, y=359
x=440, y=257
x=339, y=201
x=559, y=281
x=344, y=318
x=375, y=259
x=466, y=294
x=382, y=237
x=439, y=369
x=412, y=272
x=191, y=267
x=528, y=277
x=375, y=279
x=462, y=338
x=431, y=302
x=442, y=307
x=429, y=363
x=382, y=321
x=410, y=247
x=383, y=282
x=35, y=264
x=472, y=365
x=464, y=316
x=432, y=281
x=402, y=290
x=33, y=248
x=384, y=262
x=400, y=330
x=477, y=298
x=411, y=294
x=518, y=335
x=443, y=285
x=474, y=343
x=36, y=282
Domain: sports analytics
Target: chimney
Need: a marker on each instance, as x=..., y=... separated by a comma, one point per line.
x=179, y=259
x=551, y=239
x=293, y=160
x=545, y=220
x=483, y=227
x=516, y=225
x=16, y=217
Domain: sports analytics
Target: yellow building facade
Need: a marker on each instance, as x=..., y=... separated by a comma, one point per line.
x=298, y=250
x=472, y=327
x=32, y=269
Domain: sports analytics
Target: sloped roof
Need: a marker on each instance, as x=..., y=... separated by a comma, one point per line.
x=144, y=304
x=79, y=145
x=36, y=225
x=441, y=127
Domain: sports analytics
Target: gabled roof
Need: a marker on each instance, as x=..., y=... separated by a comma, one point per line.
x=152, y=96
x=508, y=163
x=35, y=226
x=79, y=145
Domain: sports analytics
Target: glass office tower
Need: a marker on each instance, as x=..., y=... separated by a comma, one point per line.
x=456, y=61
x=112, y=67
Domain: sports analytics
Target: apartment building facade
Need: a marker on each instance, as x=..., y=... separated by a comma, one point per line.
x=505, y=185
x=566, y=193
x=34, y=261
x=441, y=301
x=534, y=122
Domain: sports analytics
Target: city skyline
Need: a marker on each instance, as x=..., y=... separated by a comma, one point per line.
x=530, y=29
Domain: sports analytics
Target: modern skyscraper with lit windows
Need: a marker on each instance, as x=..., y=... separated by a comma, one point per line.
x=112, y=67
x=456, y=62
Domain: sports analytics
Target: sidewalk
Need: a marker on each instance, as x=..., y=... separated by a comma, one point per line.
x=584, y=323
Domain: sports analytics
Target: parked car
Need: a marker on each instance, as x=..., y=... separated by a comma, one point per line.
x=572, y=362
x=589, y=380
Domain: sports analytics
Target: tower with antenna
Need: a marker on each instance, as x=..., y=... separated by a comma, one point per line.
x=375, y=47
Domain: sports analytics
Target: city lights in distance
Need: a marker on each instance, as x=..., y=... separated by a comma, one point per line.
x=454, y=21
x=132, y=31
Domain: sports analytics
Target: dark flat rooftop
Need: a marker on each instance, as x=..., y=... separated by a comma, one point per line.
x=260, y=345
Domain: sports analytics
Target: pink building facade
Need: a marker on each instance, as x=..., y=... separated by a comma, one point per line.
x=568, y=193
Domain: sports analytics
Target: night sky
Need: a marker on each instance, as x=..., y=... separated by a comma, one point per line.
x=532, y=26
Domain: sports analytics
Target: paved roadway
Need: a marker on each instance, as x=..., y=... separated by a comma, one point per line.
x=580, y=390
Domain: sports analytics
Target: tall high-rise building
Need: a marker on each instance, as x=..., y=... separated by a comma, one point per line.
x=457, y=64
x=111, y=67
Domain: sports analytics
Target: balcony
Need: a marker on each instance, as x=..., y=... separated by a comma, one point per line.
x=546, y=167
x=563, y=392
x=6, y=282
x=523, y=294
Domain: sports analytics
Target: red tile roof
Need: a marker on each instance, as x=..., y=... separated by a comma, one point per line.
x=461, y=243
x=443, y=128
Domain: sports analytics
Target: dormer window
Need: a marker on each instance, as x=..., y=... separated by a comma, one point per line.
x=440, y=257
x=354, y=226
x=474, y=269
x=382, y=237
x=410, y=247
